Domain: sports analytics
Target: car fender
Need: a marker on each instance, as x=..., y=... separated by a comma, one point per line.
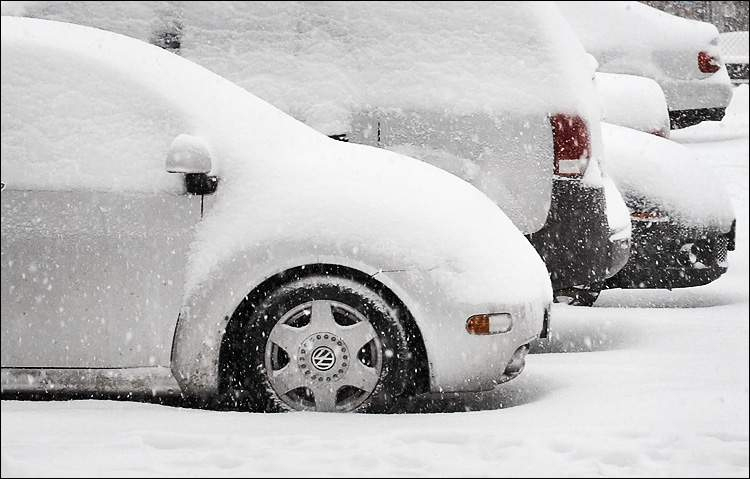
x=208, y=305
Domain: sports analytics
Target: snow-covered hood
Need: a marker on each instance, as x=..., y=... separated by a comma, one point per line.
x=282, y=182
x=656, y=173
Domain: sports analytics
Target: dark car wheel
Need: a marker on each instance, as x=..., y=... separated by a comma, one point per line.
x=579, y=295
x=323, y=343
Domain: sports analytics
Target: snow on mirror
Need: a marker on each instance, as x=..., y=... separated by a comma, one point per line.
x=188, y=154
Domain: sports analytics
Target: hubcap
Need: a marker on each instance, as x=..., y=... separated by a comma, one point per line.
x=323, y=356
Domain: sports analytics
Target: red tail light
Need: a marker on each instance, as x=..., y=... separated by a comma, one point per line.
x=662, y=132
x=572, y=145
x=707, y=63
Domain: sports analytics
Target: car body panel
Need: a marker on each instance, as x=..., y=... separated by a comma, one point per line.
x=92, y=279
x=107, y=383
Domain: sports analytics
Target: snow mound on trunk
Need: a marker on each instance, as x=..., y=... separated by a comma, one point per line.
x=658, y=173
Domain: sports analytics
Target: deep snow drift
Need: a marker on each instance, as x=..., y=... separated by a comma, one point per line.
x=648, y=382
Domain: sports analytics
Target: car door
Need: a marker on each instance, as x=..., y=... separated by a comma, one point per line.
x=94, y=230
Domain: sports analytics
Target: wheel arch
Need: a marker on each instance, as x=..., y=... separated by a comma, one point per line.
x=198, y=355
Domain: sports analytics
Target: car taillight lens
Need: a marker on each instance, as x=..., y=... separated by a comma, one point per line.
x=707, y=63
x=651, y=216
x=572, y=145
x=662, y=132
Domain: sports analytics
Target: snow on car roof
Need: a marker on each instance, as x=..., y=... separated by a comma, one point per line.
x=318, y=60
x=611, y=25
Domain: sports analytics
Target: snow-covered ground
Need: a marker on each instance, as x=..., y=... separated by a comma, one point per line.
x=645, y=383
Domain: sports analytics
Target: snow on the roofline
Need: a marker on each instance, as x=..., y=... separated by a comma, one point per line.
x=318, y=60
x=609, y=25
x=315, y=60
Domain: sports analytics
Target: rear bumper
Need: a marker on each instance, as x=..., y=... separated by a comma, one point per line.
x=738, y=72
x=576, y=234
x=618, y=255
x=684, y=118
x=666, y=255
x=693, y=101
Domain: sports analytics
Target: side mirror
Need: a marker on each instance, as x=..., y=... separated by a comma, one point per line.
x=189, y=155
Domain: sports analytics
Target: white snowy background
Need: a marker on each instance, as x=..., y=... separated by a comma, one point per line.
x=651, y=383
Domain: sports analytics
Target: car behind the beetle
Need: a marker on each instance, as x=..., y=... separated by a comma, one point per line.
x=682, y=55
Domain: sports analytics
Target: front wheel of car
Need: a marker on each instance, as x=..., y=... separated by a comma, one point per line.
x=323, y=343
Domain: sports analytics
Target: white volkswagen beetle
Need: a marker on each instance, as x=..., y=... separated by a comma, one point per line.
x=160, y=223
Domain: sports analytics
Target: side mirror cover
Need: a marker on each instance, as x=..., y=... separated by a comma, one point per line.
x=188, y=154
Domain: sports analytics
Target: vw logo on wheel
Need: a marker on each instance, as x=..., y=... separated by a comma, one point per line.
x=323, y=358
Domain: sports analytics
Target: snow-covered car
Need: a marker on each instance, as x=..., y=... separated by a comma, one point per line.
x=511, y=110
x=633, y=102
x=682, y=55
x=734, y=48
x=673, y=244
x=682, y=220
x=164, y=228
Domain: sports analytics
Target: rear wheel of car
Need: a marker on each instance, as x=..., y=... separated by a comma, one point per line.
x=323, y=343
x=579, y=295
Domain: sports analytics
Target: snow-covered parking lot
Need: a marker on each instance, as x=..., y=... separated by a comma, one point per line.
x=645, y=383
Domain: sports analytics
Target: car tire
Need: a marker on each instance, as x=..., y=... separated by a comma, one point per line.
x=293, y=350
x=579, y=295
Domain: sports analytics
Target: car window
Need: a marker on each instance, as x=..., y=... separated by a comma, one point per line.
x=68, y=122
